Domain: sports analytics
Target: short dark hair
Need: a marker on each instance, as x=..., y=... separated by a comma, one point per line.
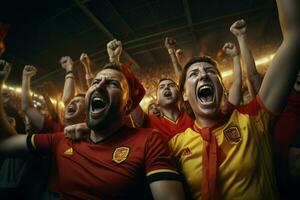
x=193, y=60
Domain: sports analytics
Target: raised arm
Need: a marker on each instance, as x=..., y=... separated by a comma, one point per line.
x=10, y=142
x=86, y=62
x=180, y=57
x=170, y=45
x=236, y=88
x=238, y=28
x=35, y=117
x=69, y=86
x=114, y=50
x=51, y=109
x=7, y=67
x=283, y=71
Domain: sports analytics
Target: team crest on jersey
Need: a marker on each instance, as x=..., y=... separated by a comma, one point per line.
x=120, y=154
x=232, y=134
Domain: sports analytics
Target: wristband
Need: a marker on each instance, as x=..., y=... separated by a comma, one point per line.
x=70, y=75
x=69, y=72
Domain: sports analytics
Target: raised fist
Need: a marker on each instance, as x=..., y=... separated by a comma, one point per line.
x=5, y=69
x=230, y=49
x=170, y=43
x=29, y=71
x=114, y=50
x=84, y=59
x=238, y=28
x=77, y=131
x=66, y=63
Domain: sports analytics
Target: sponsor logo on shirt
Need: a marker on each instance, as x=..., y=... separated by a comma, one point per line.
x=69, y=151
x=120, y=154
x=232, y=134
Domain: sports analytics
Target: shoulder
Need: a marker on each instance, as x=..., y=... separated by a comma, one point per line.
x=145, y=133
x=254, y=107
x=144, y=136
x=183, y=137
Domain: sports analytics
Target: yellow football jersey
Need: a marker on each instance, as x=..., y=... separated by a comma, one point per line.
x=247, y=171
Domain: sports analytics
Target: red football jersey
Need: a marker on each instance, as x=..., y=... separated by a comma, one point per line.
x=286, y=126
x=167, y=127
x=115, y=168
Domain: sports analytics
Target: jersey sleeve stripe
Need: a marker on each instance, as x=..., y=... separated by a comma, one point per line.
x=30, y=144
x=161, y=170
x=160, y=176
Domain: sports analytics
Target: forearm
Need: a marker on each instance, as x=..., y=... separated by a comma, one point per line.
x=51, y=108
x=175, y=63
x=250, y=89
x=88, y=75
x=69, y=88
x=26, y=99
x=251, y=72
x=35, y=117
x=236, y=88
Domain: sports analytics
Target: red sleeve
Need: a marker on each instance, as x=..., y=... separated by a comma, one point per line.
x=254, y=107
x=146, y=123
x=293, y=104
x=50, y=126
x=43, y=144
x=159, y=164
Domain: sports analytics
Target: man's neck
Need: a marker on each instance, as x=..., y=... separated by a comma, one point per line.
x=171, y=112
x=100, y=135
x=206, y=122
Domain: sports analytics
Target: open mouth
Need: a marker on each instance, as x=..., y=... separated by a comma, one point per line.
x=206, y=94
x=167, y=93
x=99, y=102
x=71, y=109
